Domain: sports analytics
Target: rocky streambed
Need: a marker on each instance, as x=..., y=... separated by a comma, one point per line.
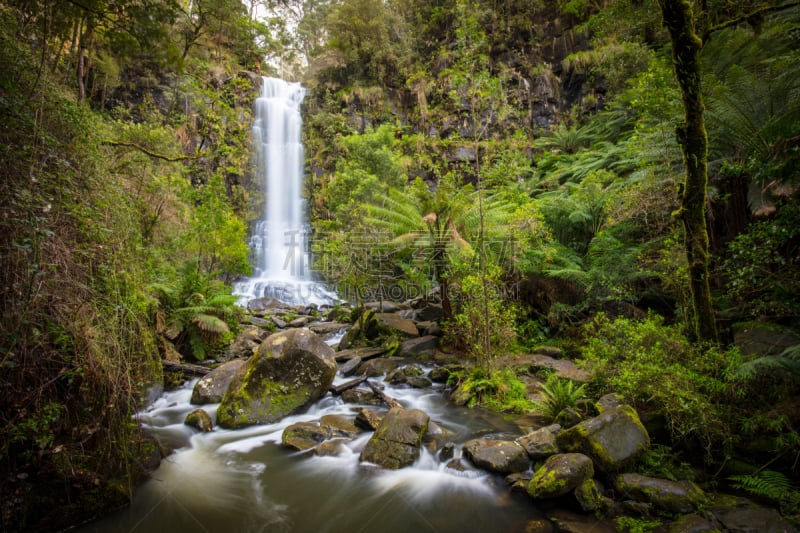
x=358, y=433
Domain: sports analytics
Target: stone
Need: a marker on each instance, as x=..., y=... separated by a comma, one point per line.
x=401, y=374
x=550, y=351
x=430, y=313
x=421, y=346
x=614, y=439
x=608, y=401
x=692, y=523
x=199, y=419
x=541, y=444
x=329, y=447
x=591, y=498
x=378, y=367
x=392, y=324
x=278, y=322
x=211, y=387
x=341, y=423
x=365, y=354
x=448, y=451
x=419, y=382
x=496, y=455
x=664, y=494
x=559, y=475
x=305, y=435
x=361, y=396
x=326, y=328
x=264, y=305
x=568, y=417
x=246, y=342
x=290, y=371
x=300, y=321
x=368, y=419
x=349, y=368
x=746, y=517
x=396, y=443
x=439, y=374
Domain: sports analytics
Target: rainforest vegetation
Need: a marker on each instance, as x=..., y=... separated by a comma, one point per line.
x=618, y=178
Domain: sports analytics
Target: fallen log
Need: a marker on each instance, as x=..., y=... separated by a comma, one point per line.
x=336, y=391
x=391, y=402
x=186, y=368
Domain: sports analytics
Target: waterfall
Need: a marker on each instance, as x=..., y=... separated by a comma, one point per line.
x=279, y=243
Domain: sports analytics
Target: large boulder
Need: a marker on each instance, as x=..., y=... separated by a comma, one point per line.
x=396, y=442
x=420, y=346
x=211, y=387
x=496, y=455
x=541, y=443
x=664, y=494
x=246, y=342
x=560, y=474
x=291, y=370
x=614, y=439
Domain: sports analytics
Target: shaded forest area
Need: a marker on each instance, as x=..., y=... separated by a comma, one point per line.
x=520, y=156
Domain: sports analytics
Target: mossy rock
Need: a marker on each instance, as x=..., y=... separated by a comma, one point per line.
x=396, y=442
x=664, y=494
x=614, y=439
x=211, y=387
x=559, y=475
x=199, y=419
x=290, y=371
x=497, y=455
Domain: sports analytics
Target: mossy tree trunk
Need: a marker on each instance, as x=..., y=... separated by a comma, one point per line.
x=686, y=44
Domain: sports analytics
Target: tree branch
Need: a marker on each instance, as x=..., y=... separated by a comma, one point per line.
x=746, y=18
x=163, y=157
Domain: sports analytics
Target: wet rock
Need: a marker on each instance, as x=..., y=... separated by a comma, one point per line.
x=340, y=423
x=560, y=475
x=365, y=354
x=305, y=435
x=330, y=447
x=264, y=305
x=541, y=443
x=289, y=372
x=396, y=443
x=383, y=307
x=211, y=387
x=419, y=382
x=199, y=419
x=378, y=367
x=568, y=417
x=613, y=439
x=430, y=313
x=349, y=368
x=327, y=328
x=569, y=522
x=278, y=322
x=361, y=396
x=368, y=419
x=496, y=455
x=448, y=451
x=671, y=496
x=300, y=321
x=401, y=374
x=539, y=526
x=422, y=346
x=393, y=325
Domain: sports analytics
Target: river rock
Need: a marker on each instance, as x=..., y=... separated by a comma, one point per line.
x=378, y=367
x=246, y=342
x=541, y=443
x=418, y=347
x=613, y=439
x=560, y=475
x=608, y=401
x=368, y=419
x=400, y=375
x=749, y=518
x=396, y=442
x=671, y=496
x=290, y=371
x=327, y=328
x=305, y=435
x=199, y=419
x=496, y=455
x=419, y=382
x=361, y=396
x=350, y=366
x=591, y=498
x=439, y=374
x=365, y=354
x=260, y=306
x=692, y=523
x=211, y=387
x=340, y=423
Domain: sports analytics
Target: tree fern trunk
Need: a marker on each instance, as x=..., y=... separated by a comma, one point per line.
x=692, y=136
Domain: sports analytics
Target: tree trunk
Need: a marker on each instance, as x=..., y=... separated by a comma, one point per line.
x=693, y=139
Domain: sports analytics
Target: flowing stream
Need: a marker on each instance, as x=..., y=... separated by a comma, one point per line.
x=246, y=481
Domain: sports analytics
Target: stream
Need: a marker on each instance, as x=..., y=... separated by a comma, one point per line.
x=246, y=481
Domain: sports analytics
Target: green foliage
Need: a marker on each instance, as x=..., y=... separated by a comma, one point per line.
x=557, y=394
x=654, y=367
x=629, y=524
x=660, y=461
x=772, y=485
x=500, y=390
x=199, y=314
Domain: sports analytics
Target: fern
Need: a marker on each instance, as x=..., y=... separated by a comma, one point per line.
x=558, y=394
x=772, y=485
x=789, y=360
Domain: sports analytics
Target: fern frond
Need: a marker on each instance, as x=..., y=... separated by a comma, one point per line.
x=210, y=324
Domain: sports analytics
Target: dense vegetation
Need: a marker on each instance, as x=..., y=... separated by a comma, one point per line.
x=518, y=157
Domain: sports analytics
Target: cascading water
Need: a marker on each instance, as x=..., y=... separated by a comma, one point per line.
x=280, y=241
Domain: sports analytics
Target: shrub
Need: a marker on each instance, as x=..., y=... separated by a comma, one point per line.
x=558, y=394
x=500, y=390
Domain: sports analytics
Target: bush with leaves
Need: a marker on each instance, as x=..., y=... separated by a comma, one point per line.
x=198, y=315
x=558, y=394
x=500, y=390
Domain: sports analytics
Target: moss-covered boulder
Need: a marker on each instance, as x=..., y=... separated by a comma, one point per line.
x=305, y=435
x=211, y=387
x=613, y=439
x=373, y=328
x=591, y=498
x=291, y=370
x=502, y=456
x=664, y=494
x=560, y=474
x=199, y=419
x=541, y=443
x=396, y=442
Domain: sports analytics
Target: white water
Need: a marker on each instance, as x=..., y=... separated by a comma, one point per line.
x=245, y=480
x=279, y=243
